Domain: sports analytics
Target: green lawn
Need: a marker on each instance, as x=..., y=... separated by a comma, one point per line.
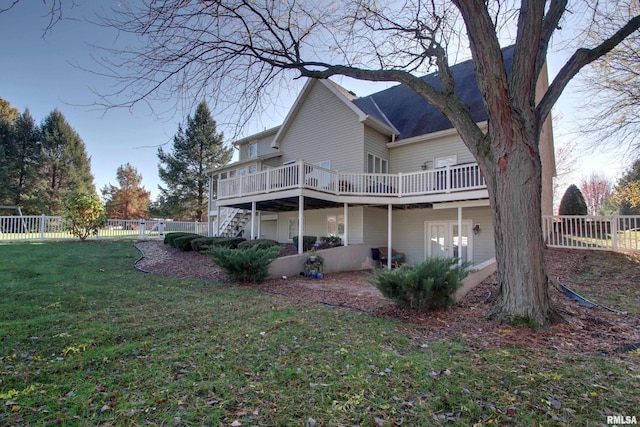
x=87, y=340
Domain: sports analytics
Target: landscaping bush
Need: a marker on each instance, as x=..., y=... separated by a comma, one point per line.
x=423, y=286
x=330, y=242
x=226, y=242
x=184, y=242
x=201, y=244
x=572, y=202
x=170, y=237
x=245, y=265
x=307, y=242
x=260, y=243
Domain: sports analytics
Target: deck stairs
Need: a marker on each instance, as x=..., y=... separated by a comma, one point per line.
x=233, y=221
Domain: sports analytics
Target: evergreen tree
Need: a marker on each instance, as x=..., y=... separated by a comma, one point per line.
x=195, y=150
x=65, y=166
x=130, y=200
x=573, y=202
x=19, y=157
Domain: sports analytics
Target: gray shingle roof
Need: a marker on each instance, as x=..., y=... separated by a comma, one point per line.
x=412, y=115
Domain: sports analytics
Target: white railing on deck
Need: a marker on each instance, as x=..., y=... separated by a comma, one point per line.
x=616, y=233
x=42, y=227
x=305, y=175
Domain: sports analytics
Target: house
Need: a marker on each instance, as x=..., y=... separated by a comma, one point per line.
x=387, y=169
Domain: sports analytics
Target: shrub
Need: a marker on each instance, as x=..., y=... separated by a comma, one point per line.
x=227, y=242
x=184, y=242
x=202, y=243
x=84, y=215
x=307, y=242
x=330, y=241
x=261, y=243
x=245, y=265
x=572, y=202
x=170, y=237
x=423, y=286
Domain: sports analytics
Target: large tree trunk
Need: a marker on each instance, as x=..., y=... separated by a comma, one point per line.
x=514, y=174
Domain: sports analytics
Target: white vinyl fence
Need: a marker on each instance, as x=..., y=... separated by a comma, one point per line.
x=612, y=233
x=42, y=227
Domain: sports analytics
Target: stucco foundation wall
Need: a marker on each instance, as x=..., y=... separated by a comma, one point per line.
x=342, y=258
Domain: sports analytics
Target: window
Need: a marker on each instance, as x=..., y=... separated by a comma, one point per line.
x=335, y=225
x=232, y=174
x=443, y=162
x=252, y=150
x=293, y=228
x=253, y=168
x=242, y=171
x=376, y=164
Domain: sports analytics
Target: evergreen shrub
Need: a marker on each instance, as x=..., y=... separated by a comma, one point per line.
x=170, y=237
x=245, y=265
x=201, y=244
x=572, y=202
x=226, y=242
x=423, y=286
x=330, y=242
x=307, y=242
x=261, y=243
x=184, y=242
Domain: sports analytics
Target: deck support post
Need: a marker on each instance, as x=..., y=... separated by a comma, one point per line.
x=253, y=220
x=460, y=235
x=389, y=235
x=346, y=225
x=300, y=222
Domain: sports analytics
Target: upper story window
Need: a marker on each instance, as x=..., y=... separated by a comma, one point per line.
x=253, y=168
x=444, y=161
x=252, y=150
x=376, y=164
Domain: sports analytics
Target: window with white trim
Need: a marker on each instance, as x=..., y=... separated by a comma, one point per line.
x=376, y=164
x=293, y=227
x=444, y=161
x=252, y=150
x=335, y=225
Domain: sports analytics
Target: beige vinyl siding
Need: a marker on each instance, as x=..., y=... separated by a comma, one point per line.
x=410, y=157
x=315, y=223
x=264, y=147
x=375, y=143
x=375, y=224
x=324, y=128
x=409, y=231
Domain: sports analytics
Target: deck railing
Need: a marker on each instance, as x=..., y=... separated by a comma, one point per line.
x=305, y=175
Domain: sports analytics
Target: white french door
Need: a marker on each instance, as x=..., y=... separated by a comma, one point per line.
x=441, y=240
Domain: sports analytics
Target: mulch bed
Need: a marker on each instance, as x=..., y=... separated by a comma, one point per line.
x=585, y=330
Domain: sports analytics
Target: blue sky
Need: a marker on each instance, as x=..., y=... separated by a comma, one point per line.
x=40, y=72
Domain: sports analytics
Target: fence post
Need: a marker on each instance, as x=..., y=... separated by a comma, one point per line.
x=42, y=226
x=195, y=227
x=161, y=228
x=614, y=233
x=141, y=228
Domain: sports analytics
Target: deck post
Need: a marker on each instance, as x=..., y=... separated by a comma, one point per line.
x=300, y=222
x=217, y=220
x=460, y=235
x=346, y=225
x=253, y=220
x=389, y=235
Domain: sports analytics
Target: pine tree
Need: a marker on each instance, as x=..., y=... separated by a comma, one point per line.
x=19, y=157
x=573, y=202
x=65, y=165
x=129, y=201
x=195, y=149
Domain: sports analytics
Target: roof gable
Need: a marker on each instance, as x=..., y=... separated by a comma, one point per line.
x=412, y=115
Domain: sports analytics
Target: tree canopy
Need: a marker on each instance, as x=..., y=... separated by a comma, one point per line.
x=130, y=200
x=41, y=165
x=183, y=170
x=573, y=202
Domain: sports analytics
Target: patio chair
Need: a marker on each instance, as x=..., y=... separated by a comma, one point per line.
x=397, y=258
